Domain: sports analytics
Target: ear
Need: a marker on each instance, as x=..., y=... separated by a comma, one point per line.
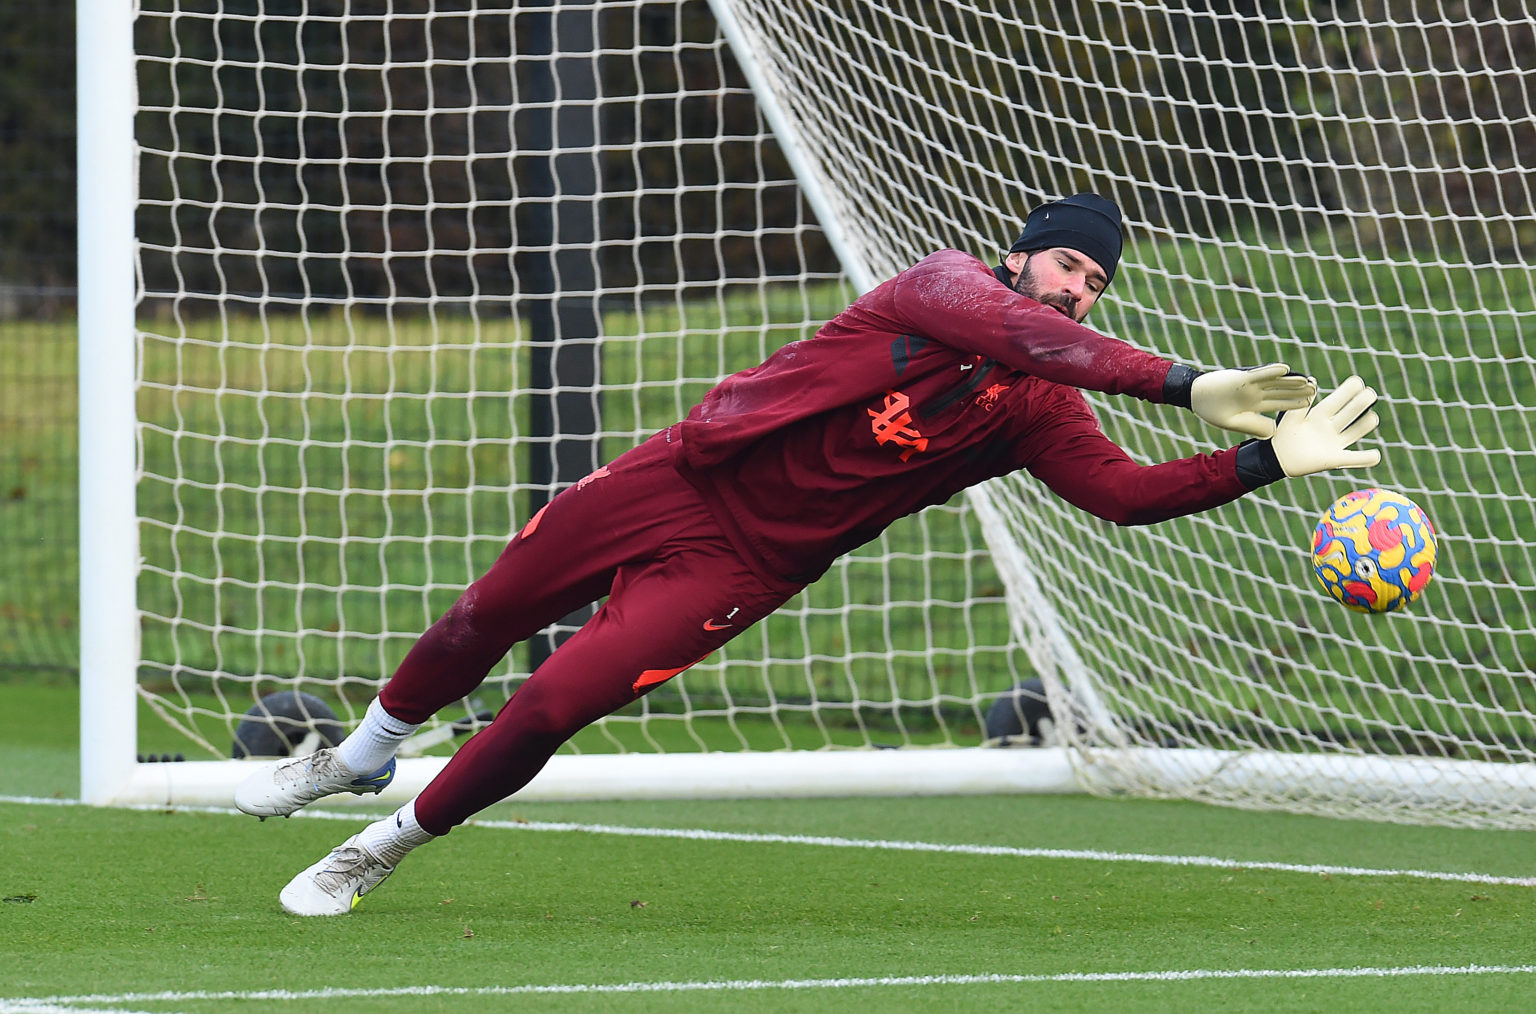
x=1014, y=262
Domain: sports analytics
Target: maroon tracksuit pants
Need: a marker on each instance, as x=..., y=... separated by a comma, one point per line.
x=677, y=590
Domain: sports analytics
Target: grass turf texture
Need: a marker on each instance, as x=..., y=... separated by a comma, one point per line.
x=112, y=902
x=188, y=902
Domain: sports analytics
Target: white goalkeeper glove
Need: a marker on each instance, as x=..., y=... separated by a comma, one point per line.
x=1319, y=439
x=1243, y=400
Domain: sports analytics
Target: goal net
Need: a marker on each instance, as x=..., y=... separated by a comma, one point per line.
x=405, y=269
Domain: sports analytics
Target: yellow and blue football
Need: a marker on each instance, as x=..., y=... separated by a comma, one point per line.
x=1374, y=550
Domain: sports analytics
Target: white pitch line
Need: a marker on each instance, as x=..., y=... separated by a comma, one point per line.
x=26, y=1006
x=878, y=844
x=1091, y=855
x=30, y=1005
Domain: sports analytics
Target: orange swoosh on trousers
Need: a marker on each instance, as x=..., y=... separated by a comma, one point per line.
x=651, y=677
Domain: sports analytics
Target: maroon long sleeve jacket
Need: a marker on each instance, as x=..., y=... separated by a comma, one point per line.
x=936, y=380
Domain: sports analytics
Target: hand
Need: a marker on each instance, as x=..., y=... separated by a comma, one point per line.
x=1319, y=438
x=1242, y=400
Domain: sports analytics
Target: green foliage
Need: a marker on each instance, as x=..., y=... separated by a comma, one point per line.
x=37, y=148
x=1431, y=97
x=356, y=155
x=1410, y=128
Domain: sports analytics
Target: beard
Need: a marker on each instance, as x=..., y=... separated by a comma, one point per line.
x=1028, y=285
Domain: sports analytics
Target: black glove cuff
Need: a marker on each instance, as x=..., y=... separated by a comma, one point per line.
x=1178, y=385
x=1257, y=464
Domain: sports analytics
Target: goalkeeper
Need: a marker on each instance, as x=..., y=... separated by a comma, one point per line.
x=946, y=375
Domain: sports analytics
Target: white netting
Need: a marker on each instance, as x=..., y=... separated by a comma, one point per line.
x=1348, y=189
x=376, y=243
x=361, y=223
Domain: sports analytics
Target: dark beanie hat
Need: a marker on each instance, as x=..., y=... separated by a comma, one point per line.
x=1086, y=223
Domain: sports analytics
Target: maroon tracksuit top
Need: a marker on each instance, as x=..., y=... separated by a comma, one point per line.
x=931, y=382
x=938, y=379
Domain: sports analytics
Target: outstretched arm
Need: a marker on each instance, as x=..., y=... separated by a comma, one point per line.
x=1092, y=472
x=953, y=298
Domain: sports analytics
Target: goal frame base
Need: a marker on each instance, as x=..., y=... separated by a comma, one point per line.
x=1266, y=778
x=799, y=774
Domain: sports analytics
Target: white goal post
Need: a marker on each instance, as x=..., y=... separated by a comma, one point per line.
x=384, y=276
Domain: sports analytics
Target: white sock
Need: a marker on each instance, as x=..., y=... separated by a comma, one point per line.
x=393, y=837
x=374, y=742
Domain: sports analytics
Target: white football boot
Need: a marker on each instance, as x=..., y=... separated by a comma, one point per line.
x=290, y=785
x=335, y=884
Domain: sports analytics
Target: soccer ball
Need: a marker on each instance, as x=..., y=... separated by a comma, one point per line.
x=1374, y=551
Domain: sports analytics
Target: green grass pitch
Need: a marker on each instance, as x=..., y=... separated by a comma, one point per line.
x=549, y=907
x=116, y=910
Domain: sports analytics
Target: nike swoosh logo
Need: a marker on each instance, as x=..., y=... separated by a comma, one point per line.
x=712, y=625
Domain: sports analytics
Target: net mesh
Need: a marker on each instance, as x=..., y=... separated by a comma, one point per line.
x=1345, y=189
x=407, y=268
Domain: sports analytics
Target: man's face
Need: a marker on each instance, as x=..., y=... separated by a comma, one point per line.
x=1060, y=277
